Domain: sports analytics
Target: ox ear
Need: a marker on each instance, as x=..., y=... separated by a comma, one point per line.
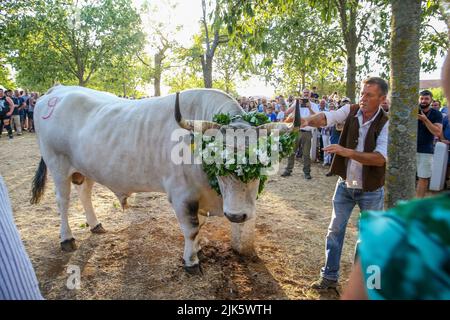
x=190, y=124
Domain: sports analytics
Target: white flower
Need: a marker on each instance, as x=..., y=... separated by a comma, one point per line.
x=264, y=159
x=244, y=160
x=230, y=161
x=274, y=147
x=239, y=171
x=206, y=153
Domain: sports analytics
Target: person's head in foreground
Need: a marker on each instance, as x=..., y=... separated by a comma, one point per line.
x=404, y=253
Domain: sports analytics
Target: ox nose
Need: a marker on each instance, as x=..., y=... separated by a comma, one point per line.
x=236, y=218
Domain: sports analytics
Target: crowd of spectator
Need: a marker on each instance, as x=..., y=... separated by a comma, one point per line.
x=16, y=111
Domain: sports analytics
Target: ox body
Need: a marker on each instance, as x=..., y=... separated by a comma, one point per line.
x=87, y=136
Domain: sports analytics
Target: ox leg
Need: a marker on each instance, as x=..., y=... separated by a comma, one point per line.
x=188, y=218
x=197, y=246
x=85, y=193
x=243, y=236
x=62, y=187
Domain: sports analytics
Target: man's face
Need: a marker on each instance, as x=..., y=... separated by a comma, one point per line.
x=371, y=98
x=1, y=93
x=306, y=93
x=322, y=104
x=385, y=105
x=435, y=105
x=16, y=93
x=424, y=101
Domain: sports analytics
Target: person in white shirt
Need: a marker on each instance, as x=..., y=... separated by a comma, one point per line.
x=281, y=114
x=360, y=161
x=307, y=109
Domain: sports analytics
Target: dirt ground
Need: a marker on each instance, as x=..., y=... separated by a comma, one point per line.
x=140, y=257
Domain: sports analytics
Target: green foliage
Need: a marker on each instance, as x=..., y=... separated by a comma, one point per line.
x=222, y=118
x=233, y=163
x=287, y=42
x=256, y=118
x=67, y=41
x=5, y=75
x=439, y=95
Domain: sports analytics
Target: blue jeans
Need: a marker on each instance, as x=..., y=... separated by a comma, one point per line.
x=344, y=200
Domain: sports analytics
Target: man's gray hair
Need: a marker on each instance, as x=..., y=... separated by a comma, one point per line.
x=380, y=82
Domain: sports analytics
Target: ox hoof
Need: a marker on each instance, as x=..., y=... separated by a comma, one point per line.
x=195, y=270
x=69, y=245
x=98, y=229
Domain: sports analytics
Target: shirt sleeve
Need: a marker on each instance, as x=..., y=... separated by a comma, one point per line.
x=337, y=116
x=382, y=141
x=315, y=107
x=17, y=277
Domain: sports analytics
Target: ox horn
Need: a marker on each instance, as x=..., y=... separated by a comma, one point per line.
x=190, y=124
x=283, y=127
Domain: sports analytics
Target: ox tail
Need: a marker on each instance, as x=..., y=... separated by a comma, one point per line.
x=38, y=186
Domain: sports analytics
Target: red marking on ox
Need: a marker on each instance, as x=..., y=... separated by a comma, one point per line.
x=51, y=107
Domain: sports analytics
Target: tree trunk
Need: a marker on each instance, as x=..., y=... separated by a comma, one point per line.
x=207, y=70
x=303, y=86
x=81, y=81
x=350, y=87
x=405, y=77
x=351, y=45
x=157, y=75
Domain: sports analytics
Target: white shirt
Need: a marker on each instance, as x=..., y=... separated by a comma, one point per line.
x=354, y=168
x=305, y=113
x=280, y=116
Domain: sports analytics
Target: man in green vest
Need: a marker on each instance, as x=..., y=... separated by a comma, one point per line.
x=359, y=161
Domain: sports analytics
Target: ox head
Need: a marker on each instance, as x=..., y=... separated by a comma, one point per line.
x=239, y=198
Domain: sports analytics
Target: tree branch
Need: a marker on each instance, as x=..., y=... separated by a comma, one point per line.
x=141, y=60
x=343, y=14
x=205, y=25
x=363, y=25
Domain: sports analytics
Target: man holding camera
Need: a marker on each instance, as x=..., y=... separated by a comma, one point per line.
x=307, y=109
x=429, y=126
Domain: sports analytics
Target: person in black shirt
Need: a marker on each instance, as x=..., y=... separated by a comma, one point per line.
x=429, y=126
x=6, y=110
x=15, y=117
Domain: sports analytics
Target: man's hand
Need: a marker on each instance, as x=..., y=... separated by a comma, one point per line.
x=421, y=116
x=303, y=121
x=339, y=150
x=434, y=128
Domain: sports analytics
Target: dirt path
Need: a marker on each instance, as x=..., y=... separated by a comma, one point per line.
x=141, y=255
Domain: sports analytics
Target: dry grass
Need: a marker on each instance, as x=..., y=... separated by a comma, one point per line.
x=141, y=255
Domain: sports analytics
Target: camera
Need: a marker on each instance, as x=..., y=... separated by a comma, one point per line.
x=304, y=102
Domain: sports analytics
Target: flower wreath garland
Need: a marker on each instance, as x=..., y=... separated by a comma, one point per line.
x=239, y=165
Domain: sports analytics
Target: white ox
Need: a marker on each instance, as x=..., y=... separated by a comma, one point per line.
x=87, y=136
